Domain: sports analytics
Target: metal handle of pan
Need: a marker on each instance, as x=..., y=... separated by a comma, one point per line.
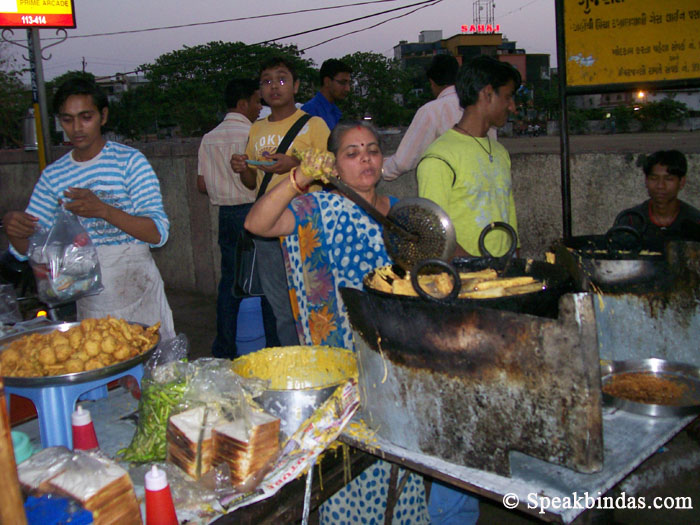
x=450, y=269
x=503, y=259
x=616, y=245
x=632, y=214
x=371, y=210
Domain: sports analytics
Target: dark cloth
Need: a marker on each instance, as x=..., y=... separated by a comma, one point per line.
x=319, y=106
x=686, y=226
x=231, y=220
x=273, y=279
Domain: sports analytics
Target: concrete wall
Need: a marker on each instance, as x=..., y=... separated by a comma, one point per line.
x=601, y=186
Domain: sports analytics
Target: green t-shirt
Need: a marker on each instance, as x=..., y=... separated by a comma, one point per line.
x=478, y=193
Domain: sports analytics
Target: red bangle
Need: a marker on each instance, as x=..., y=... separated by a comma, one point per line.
x=295, y=184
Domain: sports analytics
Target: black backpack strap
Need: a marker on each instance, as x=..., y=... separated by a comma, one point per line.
x=282, y=148
x=292, y=133
x=431, y=156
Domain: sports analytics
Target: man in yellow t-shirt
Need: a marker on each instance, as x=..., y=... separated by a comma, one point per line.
x=278, y=85
x=465, y=172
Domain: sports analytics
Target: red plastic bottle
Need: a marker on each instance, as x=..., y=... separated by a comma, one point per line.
x=160, y=509
x=84, y=437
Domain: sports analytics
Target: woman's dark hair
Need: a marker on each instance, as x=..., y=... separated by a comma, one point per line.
x=674, y=160
x=478, y=73
x=342, y=128
x=79, y=86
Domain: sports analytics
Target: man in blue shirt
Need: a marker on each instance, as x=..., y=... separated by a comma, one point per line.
x=335, y=86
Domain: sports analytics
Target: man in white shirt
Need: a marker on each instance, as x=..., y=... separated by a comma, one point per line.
x=431, y=120
x=225, y=190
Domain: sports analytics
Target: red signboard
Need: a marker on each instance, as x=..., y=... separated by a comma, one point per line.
x=37, y=13
x=481, y=28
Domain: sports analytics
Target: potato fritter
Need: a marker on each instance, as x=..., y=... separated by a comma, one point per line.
x=95, y=343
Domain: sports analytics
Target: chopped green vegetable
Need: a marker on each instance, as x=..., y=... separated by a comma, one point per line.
x=157, y=402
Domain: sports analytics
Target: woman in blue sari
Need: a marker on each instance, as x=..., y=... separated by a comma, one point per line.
x=331, y=242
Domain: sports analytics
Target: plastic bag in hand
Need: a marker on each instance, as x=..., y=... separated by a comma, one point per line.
x=64, y=261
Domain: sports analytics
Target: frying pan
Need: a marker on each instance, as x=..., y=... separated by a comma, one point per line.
x=543, y=303
x=619, y=261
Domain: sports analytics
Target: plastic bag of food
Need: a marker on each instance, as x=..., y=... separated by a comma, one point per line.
x=164, y=383
x=158, y=399
x=64, y=261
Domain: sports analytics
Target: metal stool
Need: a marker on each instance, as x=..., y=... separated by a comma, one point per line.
x=55, y=404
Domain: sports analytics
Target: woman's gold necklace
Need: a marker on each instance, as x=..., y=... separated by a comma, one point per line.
x=487, y=151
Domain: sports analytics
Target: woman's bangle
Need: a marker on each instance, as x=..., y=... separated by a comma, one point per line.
x=295, y=184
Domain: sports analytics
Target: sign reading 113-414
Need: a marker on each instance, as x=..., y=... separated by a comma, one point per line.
x=37, y=13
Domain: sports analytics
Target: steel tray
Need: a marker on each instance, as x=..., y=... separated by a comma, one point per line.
x=77, y=377
x=683, y=373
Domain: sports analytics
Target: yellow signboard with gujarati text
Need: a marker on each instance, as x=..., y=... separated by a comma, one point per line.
x=37, y=13
x=631, y=41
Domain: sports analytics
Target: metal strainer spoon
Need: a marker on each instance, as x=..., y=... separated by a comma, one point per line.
x=414, y=229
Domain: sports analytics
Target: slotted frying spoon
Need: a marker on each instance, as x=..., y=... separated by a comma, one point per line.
x=414, y=229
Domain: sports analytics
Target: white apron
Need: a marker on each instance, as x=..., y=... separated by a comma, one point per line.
x=133, y=289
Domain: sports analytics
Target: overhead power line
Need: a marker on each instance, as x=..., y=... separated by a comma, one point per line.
x=227, y=20
x=420, y=5
x=372, y=26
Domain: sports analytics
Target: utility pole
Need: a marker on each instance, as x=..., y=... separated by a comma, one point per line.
x=84, y=64
x=41, y=114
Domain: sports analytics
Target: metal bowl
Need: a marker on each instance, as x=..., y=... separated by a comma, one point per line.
x=301, y=379
x=682, y=373
x=77, y=377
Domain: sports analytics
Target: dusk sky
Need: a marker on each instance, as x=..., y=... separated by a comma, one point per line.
x=529, y=22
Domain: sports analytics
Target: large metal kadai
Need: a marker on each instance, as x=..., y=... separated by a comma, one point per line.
x=469, y=384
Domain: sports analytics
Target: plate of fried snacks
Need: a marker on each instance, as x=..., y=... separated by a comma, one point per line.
x=63, y=353
x=651, y=387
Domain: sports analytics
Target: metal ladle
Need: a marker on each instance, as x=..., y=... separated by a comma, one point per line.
x=414, y=229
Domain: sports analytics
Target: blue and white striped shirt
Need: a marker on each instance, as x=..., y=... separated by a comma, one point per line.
x=119, y=175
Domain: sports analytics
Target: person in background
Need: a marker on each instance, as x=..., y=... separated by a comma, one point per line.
x=665, y=216
x=431, y=120
x=335, y=86
x=331, y=242
x=216, y=179
x=116, y=193
x=278, y=85
x=466, y=173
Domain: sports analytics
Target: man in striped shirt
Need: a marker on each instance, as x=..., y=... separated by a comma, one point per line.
x=116, y=194
x=225, y=190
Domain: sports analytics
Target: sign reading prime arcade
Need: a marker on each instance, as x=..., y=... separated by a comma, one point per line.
x=37, y=13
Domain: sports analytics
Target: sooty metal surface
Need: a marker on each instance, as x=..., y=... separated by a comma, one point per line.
x=662, y=322
x=468, y=384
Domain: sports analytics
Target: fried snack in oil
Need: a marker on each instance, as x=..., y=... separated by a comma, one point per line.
x=482, y=284
x=93, y=344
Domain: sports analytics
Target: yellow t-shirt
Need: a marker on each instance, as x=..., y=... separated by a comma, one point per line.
x=266, y=136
